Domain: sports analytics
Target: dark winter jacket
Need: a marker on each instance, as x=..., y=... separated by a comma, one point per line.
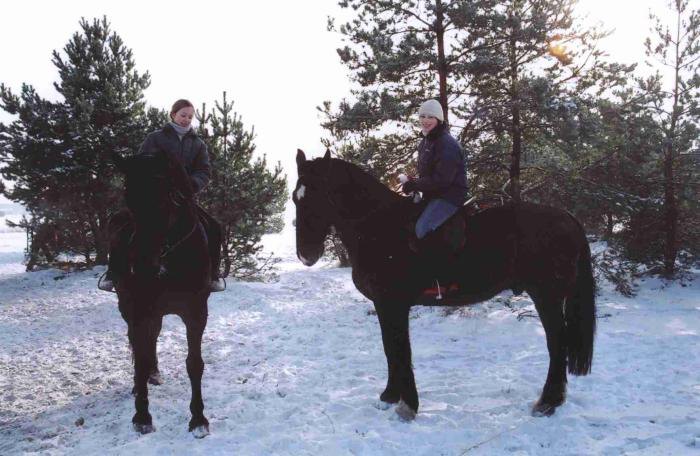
x=441, y=167
x=190, y=151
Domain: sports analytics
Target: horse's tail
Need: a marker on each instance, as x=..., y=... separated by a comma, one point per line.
x=581, y=316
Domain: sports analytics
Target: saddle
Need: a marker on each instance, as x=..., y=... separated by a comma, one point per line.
x=441, y=249
x=452, y=233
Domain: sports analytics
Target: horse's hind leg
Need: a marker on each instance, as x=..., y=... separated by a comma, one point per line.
x=401, y=385
x=195, y=367
x=143, y=361
x=551, y=312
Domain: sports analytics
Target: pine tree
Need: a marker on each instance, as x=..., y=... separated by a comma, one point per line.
x=530, y=84
x=246, y=197
x=676, y=50
x=58, y=153
x=400, y=54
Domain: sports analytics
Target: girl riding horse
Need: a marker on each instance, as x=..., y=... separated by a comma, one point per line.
x=441, y=170
x=179, y=140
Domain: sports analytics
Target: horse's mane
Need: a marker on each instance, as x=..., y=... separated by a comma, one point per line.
x=388, y=209
x=161, y=164
x=366, y=182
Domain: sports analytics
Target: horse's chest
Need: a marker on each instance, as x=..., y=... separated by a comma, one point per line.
x=380, y=281
x=365, y=284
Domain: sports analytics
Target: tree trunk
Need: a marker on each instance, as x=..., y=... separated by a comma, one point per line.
x=442, y=62
x=670, y=204
x=88, y=259
x=610, y=225
x=101, y=234
x=226, y=252
x=340, y=252
x=516, y=130
x=670, y=213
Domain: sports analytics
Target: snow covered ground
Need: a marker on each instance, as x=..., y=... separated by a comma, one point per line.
x=296, y=367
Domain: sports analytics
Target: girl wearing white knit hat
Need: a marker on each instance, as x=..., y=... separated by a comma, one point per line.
x=442, y=176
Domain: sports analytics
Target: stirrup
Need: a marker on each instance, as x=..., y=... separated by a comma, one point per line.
x=218, y=284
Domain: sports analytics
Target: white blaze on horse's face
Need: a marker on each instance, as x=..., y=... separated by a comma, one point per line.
x=300, y=192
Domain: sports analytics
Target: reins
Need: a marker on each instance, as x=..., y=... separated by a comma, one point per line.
x=170, y=249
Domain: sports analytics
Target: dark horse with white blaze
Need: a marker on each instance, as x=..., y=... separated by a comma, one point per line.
x=535, y=248
x=169, y=273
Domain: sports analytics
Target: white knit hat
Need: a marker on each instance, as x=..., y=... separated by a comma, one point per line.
x=431, y=108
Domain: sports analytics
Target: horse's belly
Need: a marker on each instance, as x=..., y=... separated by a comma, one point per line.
x=181, y=303
x=377, y=286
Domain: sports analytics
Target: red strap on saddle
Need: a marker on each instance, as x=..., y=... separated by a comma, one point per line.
x=434, y=291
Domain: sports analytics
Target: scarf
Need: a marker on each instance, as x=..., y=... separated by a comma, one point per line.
x=181, y=131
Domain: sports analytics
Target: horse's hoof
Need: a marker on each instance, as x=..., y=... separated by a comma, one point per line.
x=541, y=409
x=144, y=428
x=548, y=402
x=199, y=427
x=200, y=431
x=155, y=378
x=405, y=412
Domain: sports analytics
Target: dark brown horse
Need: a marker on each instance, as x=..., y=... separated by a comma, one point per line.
x=169, y=273
x=538, y=249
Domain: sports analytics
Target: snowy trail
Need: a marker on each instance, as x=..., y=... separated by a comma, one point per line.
x=296, y=367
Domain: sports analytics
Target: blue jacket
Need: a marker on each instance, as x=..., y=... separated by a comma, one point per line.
x=441, y=167
x=190, y=151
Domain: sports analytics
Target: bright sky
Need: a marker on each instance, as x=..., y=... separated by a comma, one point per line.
x=274, y=58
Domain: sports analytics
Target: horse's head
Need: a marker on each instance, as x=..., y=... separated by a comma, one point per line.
x=156, y=188
x=313, y=207
x=155, y=185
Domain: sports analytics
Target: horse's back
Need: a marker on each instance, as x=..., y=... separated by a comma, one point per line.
x=547, y=230
x=550, y=243
x=530, y=222
x=513, y=244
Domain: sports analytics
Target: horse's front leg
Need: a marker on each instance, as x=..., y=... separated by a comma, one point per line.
x=143, y=362
x=154, y=377
x=199, y=425
x=401, y=384
x=391, y=393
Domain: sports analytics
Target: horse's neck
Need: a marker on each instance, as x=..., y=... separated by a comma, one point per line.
x=180, y=223
x=184, y=224
x=372, y=206
x=361, y=195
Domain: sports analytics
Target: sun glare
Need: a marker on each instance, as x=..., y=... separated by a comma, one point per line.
x=559, y=52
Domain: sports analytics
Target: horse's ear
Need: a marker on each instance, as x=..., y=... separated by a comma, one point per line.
x=119, y=162
x=301, y=158
x=326, y=160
